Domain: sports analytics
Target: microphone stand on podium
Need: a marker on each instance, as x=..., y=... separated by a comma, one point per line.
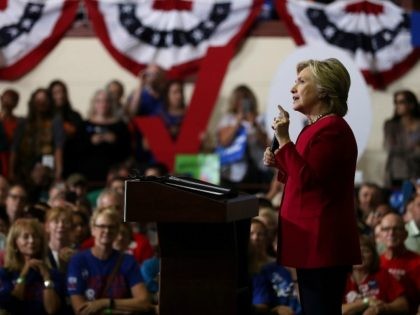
x=203, y=232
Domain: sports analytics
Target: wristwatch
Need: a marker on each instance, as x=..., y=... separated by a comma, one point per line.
x=48, y=284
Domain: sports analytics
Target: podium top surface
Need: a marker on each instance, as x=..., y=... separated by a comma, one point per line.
x=157, y=200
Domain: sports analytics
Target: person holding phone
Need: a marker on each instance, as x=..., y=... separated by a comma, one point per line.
x=317, y=223
x=241, y=140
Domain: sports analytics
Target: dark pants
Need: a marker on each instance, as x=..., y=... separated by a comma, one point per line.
x=321, y=290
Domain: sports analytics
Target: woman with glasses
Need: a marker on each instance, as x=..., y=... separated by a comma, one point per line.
x=102, y=279
x=27, y=284
x=402, y=140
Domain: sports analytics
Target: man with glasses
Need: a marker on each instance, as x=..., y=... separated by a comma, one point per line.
x=400, y=262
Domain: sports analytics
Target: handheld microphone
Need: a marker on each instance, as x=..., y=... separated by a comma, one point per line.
x=274, y=144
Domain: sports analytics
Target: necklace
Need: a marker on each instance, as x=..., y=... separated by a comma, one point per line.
x=317, y=117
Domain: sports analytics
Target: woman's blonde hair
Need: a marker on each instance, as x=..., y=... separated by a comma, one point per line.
x=110, y=212
x=333, y=81
x=13, y=259
x=54, y=213
x=108, y=99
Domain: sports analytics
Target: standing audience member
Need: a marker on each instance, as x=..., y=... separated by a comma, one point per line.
x=174, y=107
x=28, y=285
x=147, y=98
x=241, y=139
x=102, y=279
x=402, y=140
x=413, y=226
x=115, y=89
x=72, y=124
x=397, y=260
x=108, y=140
x=9, y=100
x=371, y=290
x=38, y=137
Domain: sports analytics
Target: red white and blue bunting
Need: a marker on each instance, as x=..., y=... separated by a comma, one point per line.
x=174, y=34
x=375, y=33
x=29, y=30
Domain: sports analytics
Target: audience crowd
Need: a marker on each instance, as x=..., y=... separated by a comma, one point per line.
x=65, y=250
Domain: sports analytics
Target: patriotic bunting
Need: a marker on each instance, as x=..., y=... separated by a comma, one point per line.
x=375, y=33
x=173, y=34
x=29, y=30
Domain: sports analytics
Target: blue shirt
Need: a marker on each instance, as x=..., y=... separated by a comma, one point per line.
x=273, y=286
x=87, y=275
x=32, y=302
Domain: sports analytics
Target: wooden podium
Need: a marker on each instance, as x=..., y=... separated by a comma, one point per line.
x=203, y=243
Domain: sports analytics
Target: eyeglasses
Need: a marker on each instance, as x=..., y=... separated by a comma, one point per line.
x=14, y=196
x=388, y=229
x=110, y=227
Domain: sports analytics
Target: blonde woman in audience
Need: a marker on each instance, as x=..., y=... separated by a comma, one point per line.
x=102, y=279
x=28, y=284
x=58, y=223
x=108, y=139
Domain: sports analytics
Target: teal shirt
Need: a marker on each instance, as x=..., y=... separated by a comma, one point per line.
x=413, y=239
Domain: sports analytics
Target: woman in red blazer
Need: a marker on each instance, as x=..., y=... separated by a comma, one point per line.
x=317, y=228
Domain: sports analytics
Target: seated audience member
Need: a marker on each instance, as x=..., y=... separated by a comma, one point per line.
x=397, y=259
x=40, y=136
x=371, y=290
x=16, y=202
x=4, y=188
x=102, y=279
x=369, y=197
x=135, y=244
x=57, y=226
x=77, y=186
x=273, y=290
x=174, y=107
x=242, y=139
x=413, y=226
x=40, y=180
x=28, y=285
x=111, y=198
x=375, y=217
x=270, y=218
x=72, y=125
x=58, y=197
x=80, y=228
x=147, y=98
x=108, y=139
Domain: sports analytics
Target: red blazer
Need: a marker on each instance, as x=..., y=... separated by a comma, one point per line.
x=317, y=226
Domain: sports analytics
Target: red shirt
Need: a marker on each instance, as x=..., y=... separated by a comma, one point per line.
x=380, y=285
x=317, y=225
x=406, y=269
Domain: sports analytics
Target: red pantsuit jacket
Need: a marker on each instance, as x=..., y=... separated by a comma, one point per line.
x=317, y=226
